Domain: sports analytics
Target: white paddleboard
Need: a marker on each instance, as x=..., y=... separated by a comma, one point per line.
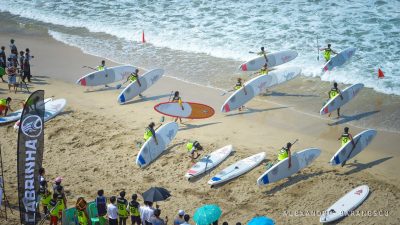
x=133, y=89
x=150, y=150
x=209, y=162
x=257, y=85
x=14, y=116
x=345, y=204
x=237, y=169
x=281, y=169
x=337, y=102
x=361, y=140
x=52, y=109
x=339, y=59
x=274, y=59
x=106, y=76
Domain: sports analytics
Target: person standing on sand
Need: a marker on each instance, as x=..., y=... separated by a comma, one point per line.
x=101, y=203
x=112, y=212
x=12, y=78
x=54, y=210
x=346, y=137
x=27, y=65
x=156, y=220
x=333, y=93
x=122, y=205
x=59, y=190
x=3, y=58
x=327, y=52
x=238, y=85
x=134, y=77
x=13, y=47
x=81, y=212
x=178, y=99
x=102, y=66
x=5, y=106
x=186, y=218
x=264, y=70
x=150, y=132
x=180, y=218
x=133, y=208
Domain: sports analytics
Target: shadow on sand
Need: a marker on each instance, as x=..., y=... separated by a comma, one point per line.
x=359, y=116
x=277, y=93
x=361, y=166
x=146, y=99
x=250, y=110
x=192, y=126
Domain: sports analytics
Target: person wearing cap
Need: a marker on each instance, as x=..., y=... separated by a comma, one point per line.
x=193, y=147
x=179, y=219
x=5, y=106
x=112, y=212
x=59, y=190
x=122, y=205
x=156, y=220
x=238, y=85
x=133, y=208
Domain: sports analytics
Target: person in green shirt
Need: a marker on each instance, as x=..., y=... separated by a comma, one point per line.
x=327, y=52
x=133, y=208
x=122, y=205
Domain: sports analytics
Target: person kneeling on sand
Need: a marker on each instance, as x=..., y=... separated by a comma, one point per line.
x=5, y=106
x=193, y=147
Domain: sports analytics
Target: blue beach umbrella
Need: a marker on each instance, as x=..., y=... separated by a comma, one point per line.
x=207, y=214
x=261, y=220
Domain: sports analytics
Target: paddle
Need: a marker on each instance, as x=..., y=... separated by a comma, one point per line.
x=317, y=49
x=226, y=92
x=347, y=158
x=89, y=67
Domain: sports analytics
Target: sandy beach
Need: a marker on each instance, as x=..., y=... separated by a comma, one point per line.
x=92, y=145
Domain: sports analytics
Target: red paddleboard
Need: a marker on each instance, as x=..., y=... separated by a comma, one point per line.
x=190, y=110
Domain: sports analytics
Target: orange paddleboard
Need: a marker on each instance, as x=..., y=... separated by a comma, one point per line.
x=190, y=110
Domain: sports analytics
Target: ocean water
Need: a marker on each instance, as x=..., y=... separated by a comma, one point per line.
x=205, y=41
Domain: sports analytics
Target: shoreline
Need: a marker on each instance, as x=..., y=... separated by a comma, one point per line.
x=107, y=148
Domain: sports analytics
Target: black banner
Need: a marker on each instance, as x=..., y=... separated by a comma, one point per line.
x=30, y=156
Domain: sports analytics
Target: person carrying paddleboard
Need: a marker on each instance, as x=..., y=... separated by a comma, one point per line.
x=5, y=106
x=263, y=53
x=283, y=153
x=102, y=66
x=178, y=99
x=327, y=52
x=333, y=93
x=150, y=132
x=346, y=137
x=134, y=77
x=192, y=147
x=264, y=70
x=237, y=86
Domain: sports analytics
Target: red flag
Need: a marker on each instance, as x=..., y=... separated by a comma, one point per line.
x=143, y=40
x=380, y=73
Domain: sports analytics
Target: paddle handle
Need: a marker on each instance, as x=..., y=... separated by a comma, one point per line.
x=317, y=49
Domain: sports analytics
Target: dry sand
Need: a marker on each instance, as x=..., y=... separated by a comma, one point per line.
x=92, y=145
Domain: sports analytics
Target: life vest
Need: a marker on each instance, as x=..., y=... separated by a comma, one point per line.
x=82, y=219
x=327, y=54
x=54, y=208
x=46, y=198
x=3, y=102
x=283, y=154
x=238, y=85
x=99, y=68
x=333, y=92
x=134, y=208
x=121, y=205
x=263, y=71
x=147, y=134
x=345, y=138
x=190, y=145
x=133, y=77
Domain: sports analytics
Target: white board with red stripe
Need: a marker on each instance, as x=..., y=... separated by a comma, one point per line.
x=273, y=59
x=337, y=102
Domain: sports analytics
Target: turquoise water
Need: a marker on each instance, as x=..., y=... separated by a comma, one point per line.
x=205, y=41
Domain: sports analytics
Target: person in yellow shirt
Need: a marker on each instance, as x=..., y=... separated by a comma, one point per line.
x=327, y=52
x=81, y=212
x=178, y=99
x=54, y=209
x=5, y=106
x=346, y=137
x=333, y=93
x=122, y=205
x=133, y=208
x=239, y=84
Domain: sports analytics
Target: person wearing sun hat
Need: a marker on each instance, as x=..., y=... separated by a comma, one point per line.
x=59, y=190
x=179, y=219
